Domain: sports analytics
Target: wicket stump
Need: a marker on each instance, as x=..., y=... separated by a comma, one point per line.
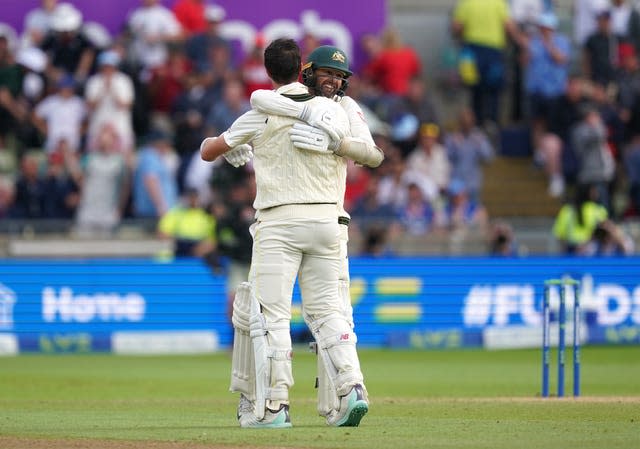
x=563, y=283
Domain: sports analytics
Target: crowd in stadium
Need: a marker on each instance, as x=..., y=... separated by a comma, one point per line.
x=94, y=132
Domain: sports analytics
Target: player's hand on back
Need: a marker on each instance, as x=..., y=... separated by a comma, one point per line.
x=323, y=118
x=306, y=137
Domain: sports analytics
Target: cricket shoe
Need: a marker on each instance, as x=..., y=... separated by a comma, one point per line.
x=245, y=407
x=272, y=419
x=353, y=406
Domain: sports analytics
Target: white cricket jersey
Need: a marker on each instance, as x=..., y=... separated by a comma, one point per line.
x=285, y=174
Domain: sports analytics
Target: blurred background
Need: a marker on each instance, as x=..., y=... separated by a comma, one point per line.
x=511, y=132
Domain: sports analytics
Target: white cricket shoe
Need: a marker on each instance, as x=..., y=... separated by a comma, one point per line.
x=245, y=407
x=272, y=419
x=353, y=406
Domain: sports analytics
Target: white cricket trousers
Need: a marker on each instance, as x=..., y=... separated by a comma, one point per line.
x=306, y=244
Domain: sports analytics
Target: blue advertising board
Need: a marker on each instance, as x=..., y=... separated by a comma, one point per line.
x=142, y=305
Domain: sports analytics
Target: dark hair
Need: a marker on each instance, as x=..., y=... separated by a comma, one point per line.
x=283, y=61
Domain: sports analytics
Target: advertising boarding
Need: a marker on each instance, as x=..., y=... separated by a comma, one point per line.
x=337, y=23
x=147, y=306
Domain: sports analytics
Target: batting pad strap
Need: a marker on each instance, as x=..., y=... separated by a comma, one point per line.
x=259, y=327
x=345, y=338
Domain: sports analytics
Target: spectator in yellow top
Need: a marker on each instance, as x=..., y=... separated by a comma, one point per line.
x=576, y=221
x=482, y=27
x=190, y=226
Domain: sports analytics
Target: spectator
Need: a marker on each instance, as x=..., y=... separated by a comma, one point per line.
x=155, y=189
x=546, y=73
x=29, y=189
x=69, y=51
x=604, y=101
x=596, y=166
x=371, y=45
x=61, y=192
x=429, y=160
x=62, y=116
x=165, y=84
x=609, y=239
x=628, y=84
x=392, y=187
x=7, y=196
x=584, y=18
x=600, y=51
x=32, y=62
x=234, y=218
x=37, y=23
x=109, y=95
x=233, y=105
x=191, y=15
x=153, y=28
x=252, y=70
x=631, y=161
x=106, y=184
x=502, y=242
x=625, y=22
x=199, y=174
x=525, y=14
x=219, y=69
x=188, y=114
x=357, y=181
x=468, y=149
x=415, y=107
x=575, y=222
x=200, y=46
x=482, y=26
x=376, y=224
x=463, y=209
x=417, y=216
x=554, y=152
x=419, y=102
x=10, y=84
x=190, y=227
x=394, y=66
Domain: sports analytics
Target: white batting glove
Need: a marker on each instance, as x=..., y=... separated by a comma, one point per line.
x=306, y=137
x=322, y=118
x=239, y=155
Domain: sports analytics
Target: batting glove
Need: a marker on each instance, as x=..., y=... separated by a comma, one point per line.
x=239, y=155
x=310, y=138
x=321, y=118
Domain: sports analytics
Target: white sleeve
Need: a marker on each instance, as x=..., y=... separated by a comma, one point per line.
x=360, y=146
x=271, y=102
x=357, y=122
x=245, y=129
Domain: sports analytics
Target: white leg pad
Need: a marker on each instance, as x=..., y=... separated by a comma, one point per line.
x=327, y=396
x=242, y=362
x=328, y=399
x=268, y=358
x=337, y=350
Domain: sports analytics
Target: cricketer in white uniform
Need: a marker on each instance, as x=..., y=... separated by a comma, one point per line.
x=296, y=234
x=326, y=73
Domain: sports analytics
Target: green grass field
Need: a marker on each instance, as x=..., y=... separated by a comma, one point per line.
x=429, y=399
